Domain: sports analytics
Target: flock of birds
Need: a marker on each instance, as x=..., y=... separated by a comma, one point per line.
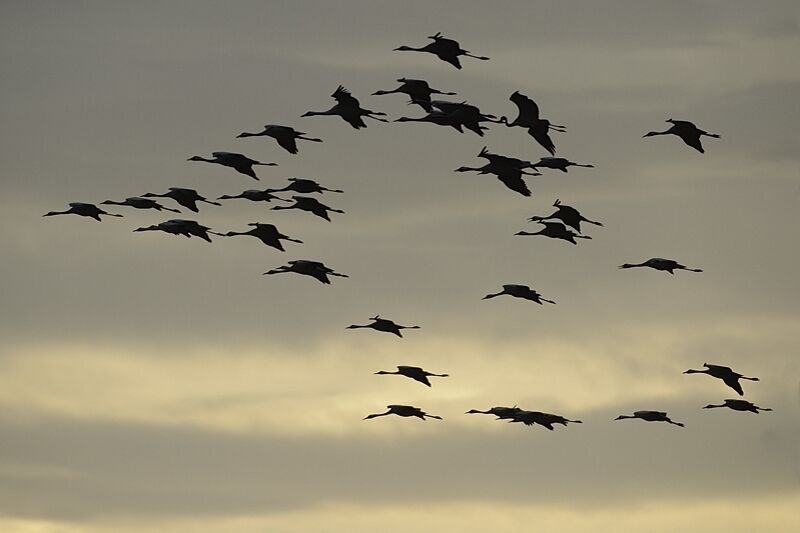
x=508, y=170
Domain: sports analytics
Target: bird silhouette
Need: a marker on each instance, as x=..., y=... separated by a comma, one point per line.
x=384, y=325
x=188, y=198
x=739, y=405
x=266, y=233
x=547, y=420
x=285, y=135
x=568, y=215
x=312, y=205
x=413, y=372
x=255, y=195
x=315, y=269
x=349, y=108
x=469, y=116
x=187, y=228
x=140, y=203
x=502, y=413
x=555, y=230
x=445, y=49
x=405, y=411
x=520, y=291
x=528, y=117
x=418, y=90
x=557, y=163
x=650, y=416
x=83, y=209
x=238, y=162
x=726, y=374
x=440, y=118
x=659, y=263
x=508, y=170
x=304, y=186
x=688, y=132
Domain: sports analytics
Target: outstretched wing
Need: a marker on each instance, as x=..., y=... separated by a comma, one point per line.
x=542, y=137
x=513, y=180
x=344, y=97
x=527, y=107
x=287, y=143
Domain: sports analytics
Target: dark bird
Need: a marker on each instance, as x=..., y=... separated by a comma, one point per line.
x=659, y=263
x=315, y=269
x=520, y=291
x=739, y=405
x=413, y=372
x=558, y=163
x=188, y=198
x=650, y=416
x=547, y=420
x=528, y=117
x=312, y=205
x=556, y=230
x=568, y=215
x=140, y=203
x=82, y=209
x=445, y=49
x=304, y=186
x=502, y=413
x=349, y=108
x=726, y=374
x=508, y=170
x=255, y=195
x=404, y=410
x=383, y=324
x=419, y=91
x=469, y=116
x=285, y=135
x=688, y=132
x=187, y=228
x=266, y=233
x=238, y=162
x=440, y=118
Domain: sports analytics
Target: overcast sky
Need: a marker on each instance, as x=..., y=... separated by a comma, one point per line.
x=153, y=382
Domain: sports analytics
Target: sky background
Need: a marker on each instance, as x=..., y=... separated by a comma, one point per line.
x=150, y=382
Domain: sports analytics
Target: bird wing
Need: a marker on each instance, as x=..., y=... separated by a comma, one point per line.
x=513, y=180
x=288, y=143
x=542, y=137
x=733, y=382
x=693, y=139
x=527, y=107
x=343, y=97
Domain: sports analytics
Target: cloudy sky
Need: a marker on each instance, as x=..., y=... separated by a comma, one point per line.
x=151, y=382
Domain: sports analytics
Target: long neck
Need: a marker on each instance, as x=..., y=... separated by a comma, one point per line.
x=53, y=213
x=113, y=202
x=692, y=371
x=246, y=134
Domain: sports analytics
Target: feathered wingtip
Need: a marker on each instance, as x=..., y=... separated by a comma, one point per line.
x=435, y=37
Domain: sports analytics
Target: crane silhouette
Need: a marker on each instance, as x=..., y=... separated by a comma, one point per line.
x=187, y=228
x=140, y=203
x=414, y=372
x=285, y=135
x=528, y=117
x=547, y=420
x=658, y=263
x=383, y=324
x=405, y=411
x=687, y=131
x=240, y=163
x=304, y=186
x=315, y=269
x=520, y=291
x=188, y=198
x=556, y=230
x=502, y=413
x=82, y=209
x=726, y=374
x=445, y=49
x=508, y=170
x=266, y=233
x=558, y=163
x=312, y=205
x=739, y=405
x=568, y=215
x=418, y=90
x=349, y=108
x=254, y=195
x=650, y=416
x=469, y=116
